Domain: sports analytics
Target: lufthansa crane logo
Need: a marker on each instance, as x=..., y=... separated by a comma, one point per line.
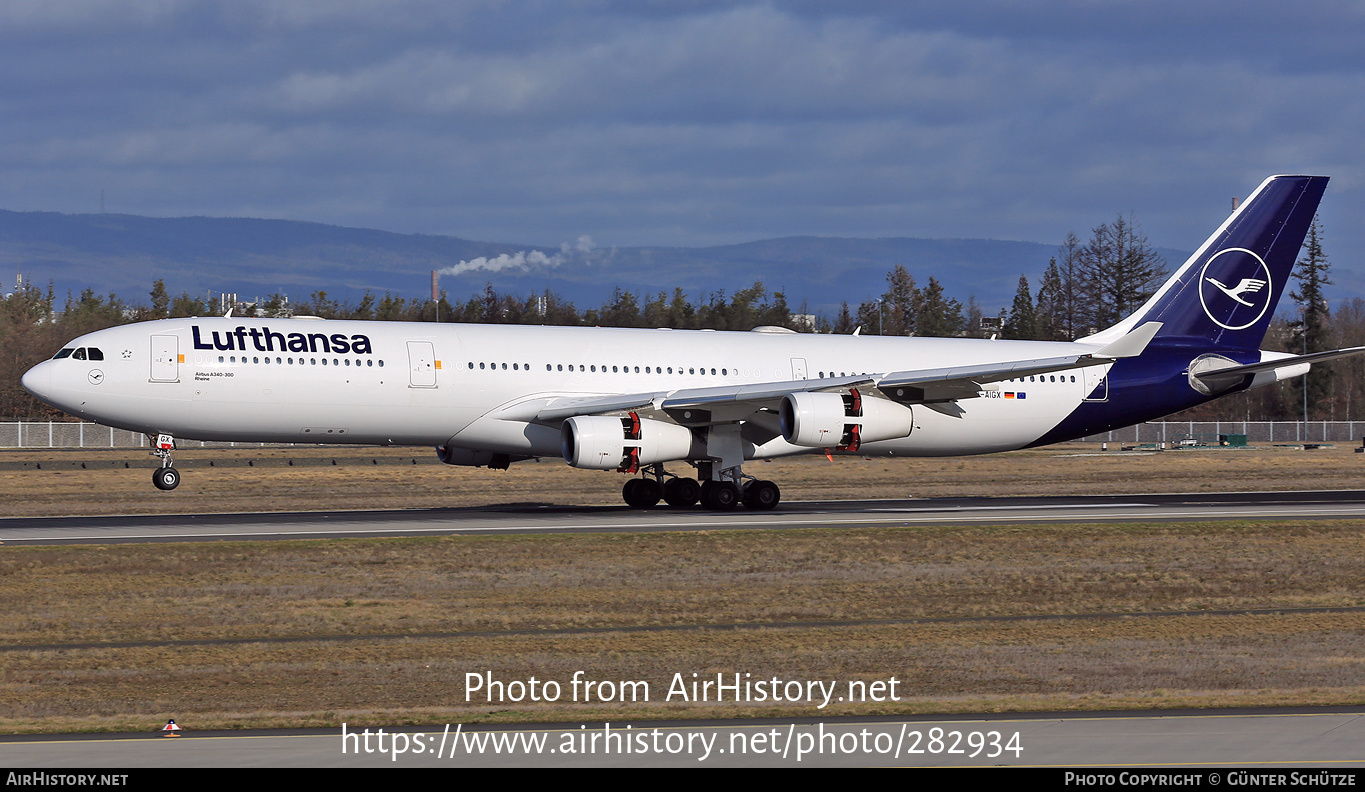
x=1234, y=288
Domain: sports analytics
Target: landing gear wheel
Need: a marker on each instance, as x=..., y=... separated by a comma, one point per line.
x=641, y=493
x=681, y=493
x=167, y=478
x=719, y=495
x=761, y=495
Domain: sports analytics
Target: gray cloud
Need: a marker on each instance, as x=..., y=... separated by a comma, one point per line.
x=682, y=123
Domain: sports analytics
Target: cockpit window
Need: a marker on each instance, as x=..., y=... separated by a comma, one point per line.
x=63, y=353
x=96, y=353
x=79, y=354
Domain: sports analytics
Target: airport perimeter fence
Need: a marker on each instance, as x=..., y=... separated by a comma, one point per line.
x=1255, y=432
x=64, y=434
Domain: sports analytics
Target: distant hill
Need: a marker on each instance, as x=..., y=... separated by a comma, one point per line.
x=124, y=254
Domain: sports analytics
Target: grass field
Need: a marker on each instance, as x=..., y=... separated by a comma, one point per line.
x=383, y=631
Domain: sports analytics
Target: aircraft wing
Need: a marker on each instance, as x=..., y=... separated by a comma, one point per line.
x=733, y=402
x=754, y=396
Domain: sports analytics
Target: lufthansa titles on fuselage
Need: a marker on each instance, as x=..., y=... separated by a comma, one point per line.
x=266, y=340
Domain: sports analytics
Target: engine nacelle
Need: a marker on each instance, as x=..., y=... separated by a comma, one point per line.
x=601, y=443
x=832, y=420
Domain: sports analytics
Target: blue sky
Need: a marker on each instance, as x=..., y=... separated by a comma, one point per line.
x=684, y=123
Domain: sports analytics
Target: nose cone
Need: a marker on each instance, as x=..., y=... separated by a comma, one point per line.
x=38, y=381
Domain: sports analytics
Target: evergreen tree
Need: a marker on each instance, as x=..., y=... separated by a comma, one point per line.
x=1312, y=332
x=939, y=316
x=898, y=314
x=845, y=323
x=161, y=301
x=1050, y=311
x=1023, y=320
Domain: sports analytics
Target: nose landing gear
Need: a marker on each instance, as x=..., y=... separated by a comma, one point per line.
x=165, y=477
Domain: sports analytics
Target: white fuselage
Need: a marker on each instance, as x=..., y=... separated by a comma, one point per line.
x=460, y=385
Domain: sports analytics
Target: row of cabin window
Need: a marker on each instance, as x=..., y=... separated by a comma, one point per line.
x=290, y=361
x=725, y=372
x=1045, y=378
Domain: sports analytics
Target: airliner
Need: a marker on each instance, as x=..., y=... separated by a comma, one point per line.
x=659, y=404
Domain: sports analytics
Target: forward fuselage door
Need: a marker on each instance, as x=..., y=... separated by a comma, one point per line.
x=165, y=358
x=422, y=364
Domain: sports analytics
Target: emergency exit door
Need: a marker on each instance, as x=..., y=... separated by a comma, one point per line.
x=422, y=364
x=165, y=358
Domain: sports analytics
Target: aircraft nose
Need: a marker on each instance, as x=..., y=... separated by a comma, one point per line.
x=38, y=380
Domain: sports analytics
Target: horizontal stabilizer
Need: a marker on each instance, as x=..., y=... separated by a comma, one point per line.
x=1217, y=379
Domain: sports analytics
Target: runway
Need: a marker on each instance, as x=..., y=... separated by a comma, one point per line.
x=1260, y=745
x=540, y=518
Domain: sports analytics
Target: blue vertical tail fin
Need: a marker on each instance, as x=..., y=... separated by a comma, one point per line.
x=1225, y=295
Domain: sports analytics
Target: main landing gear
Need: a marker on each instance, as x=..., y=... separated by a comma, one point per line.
x=165, y=477
x=713, y=494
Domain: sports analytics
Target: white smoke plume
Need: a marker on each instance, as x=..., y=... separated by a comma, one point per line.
x=523, y=259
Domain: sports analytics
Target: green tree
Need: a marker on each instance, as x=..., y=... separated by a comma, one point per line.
x=1050, y=318
x=161, y=301
x=939, y=316
x=1312, y=332
x=899, y=304
x=1023, y=321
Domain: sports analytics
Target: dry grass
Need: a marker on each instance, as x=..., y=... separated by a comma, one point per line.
x=1057, y=470
x=456, y=585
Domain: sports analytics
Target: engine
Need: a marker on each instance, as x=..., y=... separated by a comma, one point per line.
x=845, y=422
x=601, y=443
